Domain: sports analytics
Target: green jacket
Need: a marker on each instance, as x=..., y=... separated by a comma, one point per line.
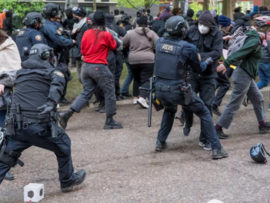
x=250, y=60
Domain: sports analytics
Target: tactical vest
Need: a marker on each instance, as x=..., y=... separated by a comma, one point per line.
x=169, y=63
x=32, y=87
x=23, y=40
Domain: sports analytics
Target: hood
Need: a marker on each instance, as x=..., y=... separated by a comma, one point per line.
x=8, y=42
x=139, y=30
x=256, y=9
x=168, y=9
x=34, y=62
x=190, y=13
x=253, y=33
x=206, y=18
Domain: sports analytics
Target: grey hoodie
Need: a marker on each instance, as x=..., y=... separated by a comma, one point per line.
x=141, y=49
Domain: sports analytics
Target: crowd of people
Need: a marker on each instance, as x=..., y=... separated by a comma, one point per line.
x=188, y=55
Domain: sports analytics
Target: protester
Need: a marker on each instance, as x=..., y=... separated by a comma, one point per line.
x=142, y=43
x=255, y=11
x=8, y=70
x=166, y=12
x=243, y=79
x=225, y=24
x=214, y=14
x=189, y=17
x=237, y=13
x=264, y=69
x=7, y=23
x=176, y=11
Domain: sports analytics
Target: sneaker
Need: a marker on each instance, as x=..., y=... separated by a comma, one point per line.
x=219, y=153
x=160, y=146
x=215, y=110
x=9, y=176
x=265, y=128
x=207, y=146
x=186, y=129
x=79, y=178
x=221, y=134
x=143, y=103
x=135, y=101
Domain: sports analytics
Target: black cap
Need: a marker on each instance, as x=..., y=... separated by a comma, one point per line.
x=99, y=18
x=79, y=11
x=142, y=21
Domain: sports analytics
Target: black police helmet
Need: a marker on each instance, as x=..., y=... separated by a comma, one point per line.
x=176, y=26
x=50, y=10
x=68, y=12
x=257, y=153
x=44, y=52
x=31, y=19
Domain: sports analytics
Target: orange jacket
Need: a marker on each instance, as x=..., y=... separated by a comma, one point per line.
x=2, y=18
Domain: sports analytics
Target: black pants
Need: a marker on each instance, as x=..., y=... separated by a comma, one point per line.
x=96, y=75
x=206, y=87
x=171, y=99
x=141, y=73
x=223, y=83
x=118, y=72
x=39, y=135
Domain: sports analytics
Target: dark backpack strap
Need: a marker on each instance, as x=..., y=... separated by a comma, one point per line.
x=265, y=150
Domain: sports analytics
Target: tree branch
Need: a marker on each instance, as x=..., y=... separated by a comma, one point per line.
x=132, y=5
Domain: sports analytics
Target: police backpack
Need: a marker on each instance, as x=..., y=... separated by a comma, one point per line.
x=257, y=153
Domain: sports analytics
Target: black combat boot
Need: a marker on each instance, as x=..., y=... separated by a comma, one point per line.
x=160, y=146
x=79, y=177
x=64, y=117
x=112, y=124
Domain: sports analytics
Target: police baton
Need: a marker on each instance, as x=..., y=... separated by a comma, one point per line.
x=150, y=90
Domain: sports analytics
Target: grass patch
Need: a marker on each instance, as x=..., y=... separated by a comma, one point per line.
x=74, y=87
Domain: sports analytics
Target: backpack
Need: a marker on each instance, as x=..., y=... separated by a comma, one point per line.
x=238, y=44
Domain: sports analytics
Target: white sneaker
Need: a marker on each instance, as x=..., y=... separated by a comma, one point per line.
x=143, y=103
x=135, y=101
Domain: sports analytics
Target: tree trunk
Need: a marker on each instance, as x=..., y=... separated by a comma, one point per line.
x=175, y=3
x=266, y=3
x=226, y=7
x=206, y=5
x=146, y=4
x=232, y=7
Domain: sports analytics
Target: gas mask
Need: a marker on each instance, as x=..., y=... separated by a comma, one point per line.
x=203, y=29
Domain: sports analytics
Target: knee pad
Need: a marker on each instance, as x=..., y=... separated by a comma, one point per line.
x=11, y=158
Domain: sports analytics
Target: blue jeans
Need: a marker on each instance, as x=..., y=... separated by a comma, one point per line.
x=264, y=74
x=128, y=80
x=2, y=117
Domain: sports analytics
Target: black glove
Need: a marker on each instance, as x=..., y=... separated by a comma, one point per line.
x=46, y=109
x=209, y=61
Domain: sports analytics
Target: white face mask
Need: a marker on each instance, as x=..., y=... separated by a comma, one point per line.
x=203, y=29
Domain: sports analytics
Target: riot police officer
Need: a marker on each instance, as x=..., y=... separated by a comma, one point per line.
x=172, y=87
x=53, y=33
x=30, y=35
x=32, y=118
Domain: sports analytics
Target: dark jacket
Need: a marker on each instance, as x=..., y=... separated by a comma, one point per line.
x=266, y=53
x=209, y=45
x=237, y=15
x=78, y=37
x=190, y=20
x=157, y=25
x=248, y=54
x=68, y=23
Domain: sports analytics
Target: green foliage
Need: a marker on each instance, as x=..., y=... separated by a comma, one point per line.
x=195, y=7
x=21, y=8
x=137, y=4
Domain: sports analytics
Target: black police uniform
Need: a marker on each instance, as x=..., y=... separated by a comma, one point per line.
x=171, y=61
x=38, y=83
x=28, y=37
